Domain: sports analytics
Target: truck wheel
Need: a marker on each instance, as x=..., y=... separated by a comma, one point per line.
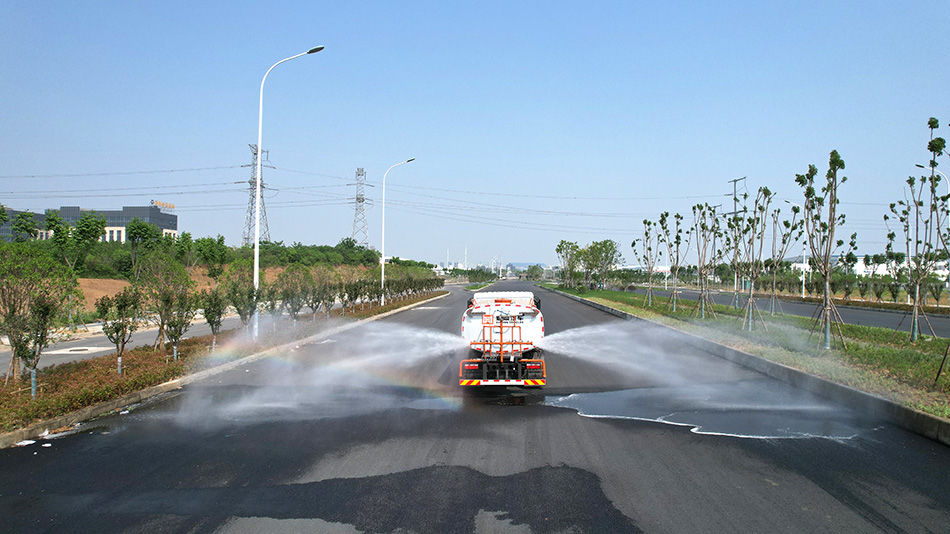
x=537, y=303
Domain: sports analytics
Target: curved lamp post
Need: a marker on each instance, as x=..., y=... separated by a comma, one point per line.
x=382, y=259
x=257, y=192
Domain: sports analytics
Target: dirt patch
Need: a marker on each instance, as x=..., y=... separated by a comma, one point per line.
x=96, y=288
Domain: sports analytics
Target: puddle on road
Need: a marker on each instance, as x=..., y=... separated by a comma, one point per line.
x=725, y=410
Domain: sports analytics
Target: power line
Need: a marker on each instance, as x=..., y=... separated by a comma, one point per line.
x=106, y=195
x=555, y=197
x=118, y=173
x=87, y=190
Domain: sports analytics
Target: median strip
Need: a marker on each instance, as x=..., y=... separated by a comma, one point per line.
x=90, y=412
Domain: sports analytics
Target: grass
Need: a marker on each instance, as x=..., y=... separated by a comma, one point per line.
x=876, y=360
x=71, y=386
x=476, y=287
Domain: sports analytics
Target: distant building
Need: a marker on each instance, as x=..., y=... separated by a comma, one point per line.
x=116, y=220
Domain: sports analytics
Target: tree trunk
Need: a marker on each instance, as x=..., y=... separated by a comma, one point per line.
x=915, y=324
x=827, y=312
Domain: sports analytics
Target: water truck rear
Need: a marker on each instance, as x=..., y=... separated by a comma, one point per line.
x=502, y=329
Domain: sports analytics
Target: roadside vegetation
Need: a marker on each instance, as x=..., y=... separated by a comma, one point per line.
x=75, y=385
x=41, y=300
x=730, y=251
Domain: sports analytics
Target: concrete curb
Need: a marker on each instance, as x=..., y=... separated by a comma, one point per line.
x=916, y=421
x=90, y=412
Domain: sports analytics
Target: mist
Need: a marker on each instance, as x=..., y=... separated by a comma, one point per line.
x=675, y=383
x=377, y=366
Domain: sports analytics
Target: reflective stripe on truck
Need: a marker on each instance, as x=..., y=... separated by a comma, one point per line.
x=527, y=382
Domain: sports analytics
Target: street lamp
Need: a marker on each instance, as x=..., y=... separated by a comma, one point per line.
x=257, y=192
x=804, y=252
x=382, y=260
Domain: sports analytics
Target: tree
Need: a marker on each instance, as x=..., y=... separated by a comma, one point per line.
x=239, y=289
x=325, y=282
x=293, y=284
x=213, y=304
x=24, y=227
x=753, y=244
x=164, y=284
x=822, y=219
x=271, y=303
x=4, y=216
x=534, y=272
x=213, y=254
x=784, y=233
x=183, y=311
x=588, y=264
x=707, y=230
x=185, y=249
x=34, y=290
x=602, y=256
x=648, y=254
x=567, y=253
x=120, y=318
x=141, y=237
x=72, y=244
x=676, y=247
x=917, y=217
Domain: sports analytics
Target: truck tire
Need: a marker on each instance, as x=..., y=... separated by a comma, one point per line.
x=537, y=303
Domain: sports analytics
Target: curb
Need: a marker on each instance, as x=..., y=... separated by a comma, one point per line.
x=90, y=412
x=907, y=418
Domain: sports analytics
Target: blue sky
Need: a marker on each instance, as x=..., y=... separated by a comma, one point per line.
x=531, y=123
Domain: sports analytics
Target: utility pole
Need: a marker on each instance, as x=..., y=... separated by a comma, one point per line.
x=360, y=228
x=735, y=246
x=248, y=237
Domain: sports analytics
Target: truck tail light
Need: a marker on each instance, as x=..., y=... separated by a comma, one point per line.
x=470, y=366
x=533, y=365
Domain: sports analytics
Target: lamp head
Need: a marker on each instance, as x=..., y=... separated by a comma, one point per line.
x=919, y=165
x=315, y=49
x=410, y=160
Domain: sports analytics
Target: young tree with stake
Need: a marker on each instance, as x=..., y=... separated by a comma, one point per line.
x=822, y=219
x=784, y=233
x=676, y=247
x=707, y=230
x=753, y=244
x=648, y=254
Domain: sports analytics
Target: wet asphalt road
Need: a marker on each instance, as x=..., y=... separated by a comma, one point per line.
x=339, y=437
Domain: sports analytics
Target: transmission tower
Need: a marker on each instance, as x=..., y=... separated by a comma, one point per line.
x=360, y=228
x=252, y=183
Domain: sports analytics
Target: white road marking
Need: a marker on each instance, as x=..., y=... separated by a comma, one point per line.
x=78, y=350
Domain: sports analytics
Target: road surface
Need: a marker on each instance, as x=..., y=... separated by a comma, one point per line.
x=366, y=431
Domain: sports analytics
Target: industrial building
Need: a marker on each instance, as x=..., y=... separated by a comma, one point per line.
x=156, y=213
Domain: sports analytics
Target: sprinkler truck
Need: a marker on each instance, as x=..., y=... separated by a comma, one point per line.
x=502, y=329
